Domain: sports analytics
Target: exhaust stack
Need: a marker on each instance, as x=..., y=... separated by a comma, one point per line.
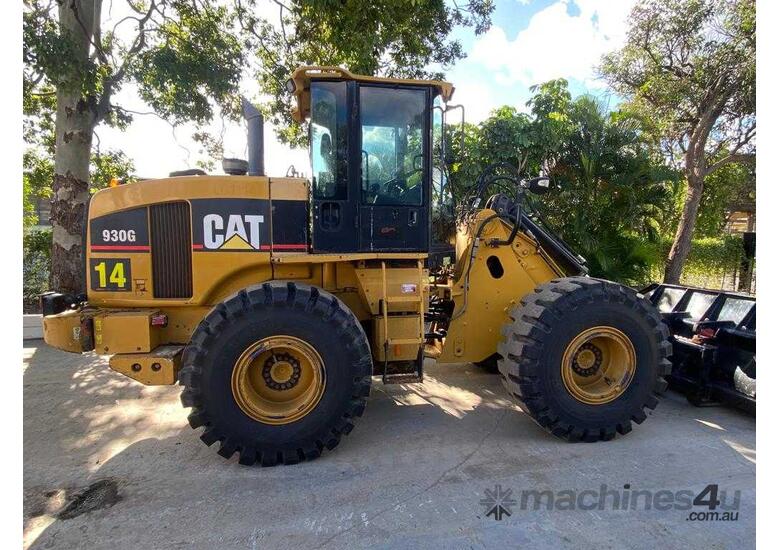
x=254, y=122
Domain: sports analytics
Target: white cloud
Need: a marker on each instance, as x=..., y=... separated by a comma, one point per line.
x=556, y=44
x=476, y=98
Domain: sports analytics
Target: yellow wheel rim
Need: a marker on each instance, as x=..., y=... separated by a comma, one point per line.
x=598, y=365
x=278, y=380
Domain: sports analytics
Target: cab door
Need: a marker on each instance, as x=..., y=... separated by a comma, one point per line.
x=334, y=200
x=395, y=168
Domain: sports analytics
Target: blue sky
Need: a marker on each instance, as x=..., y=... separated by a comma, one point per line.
x=531, y=41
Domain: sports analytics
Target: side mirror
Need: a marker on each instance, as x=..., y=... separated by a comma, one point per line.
x=539, y=186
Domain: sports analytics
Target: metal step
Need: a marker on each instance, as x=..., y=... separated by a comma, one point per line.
x=408, y=299
x=404, y=341
x=402, y=378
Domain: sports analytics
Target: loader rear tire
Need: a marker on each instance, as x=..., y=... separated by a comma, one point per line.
x=584, y=357
x=276, y=373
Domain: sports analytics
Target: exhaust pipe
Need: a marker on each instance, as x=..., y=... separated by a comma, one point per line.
x=254, y=122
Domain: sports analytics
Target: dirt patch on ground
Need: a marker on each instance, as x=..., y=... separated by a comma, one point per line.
x=73, y=502
x=101, y=494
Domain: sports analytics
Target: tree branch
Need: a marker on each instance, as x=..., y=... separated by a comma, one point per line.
x=735, y=155
x=743, y=158
x=138, y=42
x=90, y=33
x=130, y=111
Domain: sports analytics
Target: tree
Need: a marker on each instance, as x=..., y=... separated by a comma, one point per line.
x=730, y=188
x=612, y=192
x=688, y=67
x=38, y=157
x=181, y=55
x=186, y=58
x=396, y=38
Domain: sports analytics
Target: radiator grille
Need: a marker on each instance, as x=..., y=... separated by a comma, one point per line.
x=171, y=242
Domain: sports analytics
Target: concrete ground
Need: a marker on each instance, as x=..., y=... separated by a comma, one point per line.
x=410, y=475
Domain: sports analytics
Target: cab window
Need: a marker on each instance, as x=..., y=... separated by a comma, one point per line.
x=328, y=138
x=392, y=155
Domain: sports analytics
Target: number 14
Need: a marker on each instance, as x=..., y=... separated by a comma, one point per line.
x=117, y=275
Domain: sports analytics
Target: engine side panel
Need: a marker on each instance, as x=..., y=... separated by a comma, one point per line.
x=238, y=232
x=233, y=226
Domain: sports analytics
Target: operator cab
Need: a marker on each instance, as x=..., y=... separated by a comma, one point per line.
x=371, y=158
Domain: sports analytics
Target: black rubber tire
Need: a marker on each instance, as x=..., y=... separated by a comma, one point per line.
x=541, y=327
x=269, y=309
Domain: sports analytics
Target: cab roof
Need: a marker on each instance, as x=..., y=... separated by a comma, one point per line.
x=300, y=83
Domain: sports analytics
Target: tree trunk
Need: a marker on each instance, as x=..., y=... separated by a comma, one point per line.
x=684, y=236
x=747, y=263
x=75, y=122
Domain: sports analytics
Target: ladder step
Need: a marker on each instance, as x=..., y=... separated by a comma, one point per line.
x=403, y=341
x=409, y=299
x=403, y=378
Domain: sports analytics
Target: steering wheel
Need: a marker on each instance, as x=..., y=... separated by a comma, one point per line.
x=394, y=188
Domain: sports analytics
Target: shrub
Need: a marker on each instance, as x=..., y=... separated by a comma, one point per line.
x=713, y=262
x=36, y=265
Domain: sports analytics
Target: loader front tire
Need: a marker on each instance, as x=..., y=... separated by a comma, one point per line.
x=276, y=373
x=584, y=357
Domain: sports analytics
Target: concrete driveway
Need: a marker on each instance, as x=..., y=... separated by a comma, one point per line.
x=111, y=463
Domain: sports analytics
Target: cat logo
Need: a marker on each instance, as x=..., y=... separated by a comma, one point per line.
x=239, y=232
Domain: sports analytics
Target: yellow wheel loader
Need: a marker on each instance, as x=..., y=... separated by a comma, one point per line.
x=274, y=301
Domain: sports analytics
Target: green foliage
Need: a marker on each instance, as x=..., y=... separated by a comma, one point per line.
x=184, y=56
x=711, y=259
x=35, y=273
x=187, y=58
x=711, y=254
x=399, y=38
x=36, y=182
x=105, y=166
x=611, y=197
x=550, y=107
x=37, y=242
x=688, y=68
x=732, y=187
x=39, y=173
x=689, y=63
x=195, y=60
x=36, y=263
x=50, y=51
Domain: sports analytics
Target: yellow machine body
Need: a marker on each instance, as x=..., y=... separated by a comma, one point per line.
x=274, y=301
x=158, y=368
x=162, y=253
x=487, y=282
x=63, y=331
